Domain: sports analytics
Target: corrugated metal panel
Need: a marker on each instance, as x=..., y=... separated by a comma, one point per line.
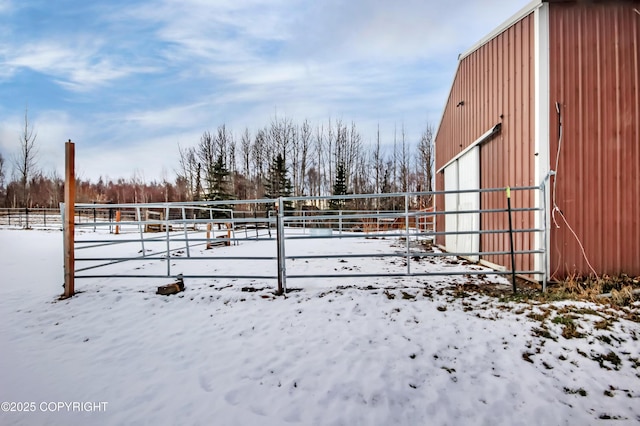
x=495, y=84
x=594, y=69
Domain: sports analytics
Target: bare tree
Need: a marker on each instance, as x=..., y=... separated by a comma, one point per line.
x=260, y=159
x=225, y=147
x=232, y=167
x=25, y=160
x=232, y=164
x=313, y=179
x=353, y=152
x=347, y=149
x=245, y=152
x=404, y=163
x=425, y=164
x=296, y=153
x=305, y=141
x=189, y=171
x=395, y=159
x=362, y=179
x=1, y=175
x=281, y=132
x=166, y=187
x=329, y=153
x=319, y=176
x=216, y=154
x=207, y=156
x=139, y=187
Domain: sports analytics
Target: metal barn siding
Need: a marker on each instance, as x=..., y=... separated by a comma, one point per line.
x=594, y=76
x=495, y=84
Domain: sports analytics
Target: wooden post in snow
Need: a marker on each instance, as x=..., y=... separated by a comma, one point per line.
x=118, y=214
x=69, y=214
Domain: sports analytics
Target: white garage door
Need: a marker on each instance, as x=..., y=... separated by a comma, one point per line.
x=464, y=173
x=451, y=205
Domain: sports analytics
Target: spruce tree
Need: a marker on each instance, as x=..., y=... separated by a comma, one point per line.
x=339, y=187
x=198, y=189
x=278, y=184
x=218, y=182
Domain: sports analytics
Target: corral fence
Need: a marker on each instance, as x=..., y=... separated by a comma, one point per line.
x=173, y=235
x=49, y=217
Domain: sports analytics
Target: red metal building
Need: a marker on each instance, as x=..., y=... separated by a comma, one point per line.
x=555, y=89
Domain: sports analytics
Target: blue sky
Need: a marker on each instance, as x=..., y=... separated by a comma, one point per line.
x=129, y=80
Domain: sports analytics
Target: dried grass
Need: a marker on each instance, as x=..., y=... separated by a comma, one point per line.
x=618, y=289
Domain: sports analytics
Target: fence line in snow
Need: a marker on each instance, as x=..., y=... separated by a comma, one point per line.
x=169, y=232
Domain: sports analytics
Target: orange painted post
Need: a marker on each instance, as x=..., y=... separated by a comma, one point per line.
x=208, y=236
x=117, y=220
x=69, y=213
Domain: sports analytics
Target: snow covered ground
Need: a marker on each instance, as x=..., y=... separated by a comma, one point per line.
x=367, y=351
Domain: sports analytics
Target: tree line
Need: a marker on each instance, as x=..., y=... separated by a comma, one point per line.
x=281, y=159
x=300, y=159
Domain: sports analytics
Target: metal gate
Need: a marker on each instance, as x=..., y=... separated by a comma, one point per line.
x=171, y=234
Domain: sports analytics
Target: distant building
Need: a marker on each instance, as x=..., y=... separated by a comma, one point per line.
x=555, y=88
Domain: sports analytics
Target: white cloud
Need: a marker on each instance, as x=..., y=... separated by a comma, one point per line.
x=209, y=36
x=237, y=63
x=314, y=50
x=79, y=68
x=183, y=116
x=384, y=31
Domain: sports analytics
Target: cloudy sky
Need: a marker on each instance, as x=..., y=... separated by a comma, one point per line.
x=129, y=80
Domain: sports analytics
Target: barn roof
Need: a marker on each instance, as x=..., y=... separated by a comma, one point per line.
x=502, y=27
x=533, y=5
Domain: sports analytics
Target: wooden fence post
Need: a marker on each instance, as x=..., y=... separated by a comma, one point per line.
x=69, y=215
x=118, y=220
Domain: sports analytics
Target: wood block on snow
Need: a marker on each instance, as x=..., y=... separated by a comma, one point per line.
x=174, y=288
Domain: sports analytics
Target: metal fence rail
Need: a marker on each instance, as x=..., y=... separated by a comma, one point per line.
x=178, y=233
x=30, y=218
x=406, y=226
x=50, y=218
